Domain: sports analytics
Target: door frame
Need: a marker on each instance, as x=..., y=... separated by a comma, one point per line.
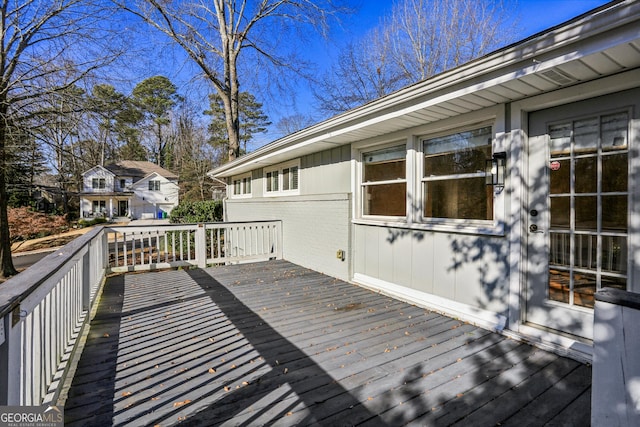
x=517, y=212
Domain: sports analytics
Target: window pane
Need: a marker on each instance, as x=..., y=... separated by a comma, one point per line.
x=561, y=178
x=468, y=198
x=459, y=141
x=469, y=160
x=560, y=139
x=587, y=213
x=247, y=187
x=586, y=251
x=272, y=181
x=385, y=199
x=385, y=165
x=614, y=173
x=560, y=211
x=584, y=288
x=294, y=178
x=587, y=175
x=285, y=179
x=614, y=254
x=614, y=131
x=585, y=135
x=614, y=213
x=236, y=187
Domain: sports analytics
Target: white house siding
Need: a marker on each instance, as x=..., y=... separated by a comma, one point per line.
x=316, y=223
x=314, y=228
x=427, y=267
x=98, y=172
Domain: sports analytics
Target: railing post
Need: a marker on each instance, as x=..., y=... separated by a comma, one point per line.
x=201, y=246
x=86, y=279
x=5, y=321
x=279, y=239
x=10, y=359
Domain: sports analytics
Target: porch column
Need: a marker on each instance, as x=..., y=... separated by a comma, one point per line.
x=616, y=367
x=111, y=207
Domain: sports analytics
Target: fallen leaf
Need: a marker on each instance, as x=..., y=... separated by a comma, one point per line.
x=226, y=388
x=106, y=335
x=176, y=404
x=285, y=370
x=211, y=339
x=212, y=371
x=245, y=383
x=289, y=414
x=126, y=393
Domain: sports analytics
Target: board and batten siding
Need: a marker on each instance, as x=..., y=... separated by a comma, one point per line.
x=315, y=224
x=467, y=274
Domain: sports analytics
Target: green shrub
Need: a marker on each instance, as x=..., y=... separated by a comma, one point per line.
x=89, y=222
x=195, y=212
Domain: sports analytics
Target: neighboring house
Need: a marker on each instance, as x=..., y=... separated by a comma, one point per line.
x=131, y=189
x=47, y=198
x=392, y=195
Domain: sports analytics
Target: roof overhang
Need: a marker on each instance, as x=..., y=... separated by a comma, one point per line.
x=601, y=43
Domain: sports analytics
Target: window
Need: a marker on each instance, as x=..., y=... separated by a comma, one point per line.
x=98, y=183
x=384, y=182
x=99, y=206
x=290, y=178
x=589, y=211
x=122, y=184
x=454, y=179
x=154, y=185
x=283, y=179
x=242, y=185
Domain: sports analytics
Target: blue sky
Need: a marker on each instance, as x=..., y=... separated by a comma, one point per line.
x=532, y=16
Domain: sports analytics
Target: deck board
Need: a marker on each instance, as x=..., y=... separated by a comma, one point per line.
x=275, y=343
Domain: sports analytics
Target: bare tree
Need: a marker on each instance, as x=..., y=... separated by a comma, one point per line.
x=293, y=123
x=40, y=42
x=419, y=39
x=215, y=33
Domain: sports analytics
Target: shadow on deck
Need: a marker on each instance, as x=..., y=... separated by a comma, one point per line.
x=274, y=343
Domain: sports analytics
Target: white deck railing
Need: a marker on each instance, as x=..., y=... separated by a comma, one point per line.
x=44, y=309
x=152, y=246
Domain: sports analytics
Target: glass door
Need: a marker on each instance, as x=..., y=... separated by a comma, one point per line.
x=578, y=223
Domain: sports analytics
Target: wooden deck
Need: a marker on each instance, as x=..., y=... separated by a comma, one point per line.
x=275, y=344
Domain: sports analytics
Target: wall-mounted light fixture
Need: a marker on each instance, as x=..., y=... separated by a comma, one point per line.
x=496, y=169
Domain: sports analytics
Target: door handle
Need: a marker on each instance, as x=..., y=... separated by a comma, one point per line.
x=534, y=229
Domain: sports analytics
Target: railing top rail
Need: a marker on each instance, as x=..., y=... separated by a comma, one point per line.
x=179, y=226
x=14, y=290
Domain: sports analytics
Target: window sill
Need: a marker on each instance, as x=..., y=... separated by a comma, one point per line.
x=458, y=227
x=281, y=193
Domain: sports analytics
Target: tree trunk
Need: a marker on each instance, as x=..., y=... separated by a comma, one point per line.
x=6, y=268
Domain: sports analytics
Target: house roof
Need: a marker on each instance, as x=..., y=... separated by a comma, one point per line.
x=139, y=169
x=599, y=43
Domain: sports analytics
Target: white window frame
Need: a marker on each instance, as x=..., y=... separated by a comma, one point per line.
x=280, y=171
x=152, y=183
x=363, y=185
x=98, y=183
x=456, y=222
x=241, y=182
